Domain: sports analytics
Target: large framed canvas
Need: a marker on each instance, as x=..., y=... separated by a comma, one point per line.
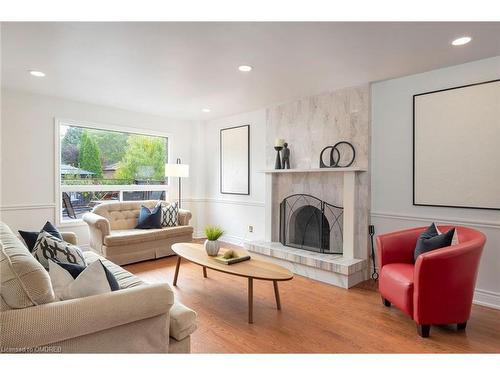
x=235, y=160
x=456, y=147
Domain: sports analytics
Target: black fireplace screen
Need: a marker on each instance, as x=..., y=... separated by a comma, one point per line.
x=309, y=223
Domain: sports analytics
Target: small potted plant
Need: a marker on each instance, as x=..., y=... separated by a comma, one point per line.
x=212, y=245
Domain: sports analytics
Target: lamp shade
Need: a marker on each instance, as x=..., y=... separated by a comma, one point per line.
x=176, y=170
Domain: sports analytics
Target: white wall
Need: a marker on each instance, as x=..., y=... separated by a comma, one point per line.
x=392, y=166
x=233, y=212
x=28, y=141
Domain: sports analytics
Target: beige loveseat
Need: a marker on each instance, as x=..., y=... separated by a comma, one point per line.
x=113, y=234
x=139, y=318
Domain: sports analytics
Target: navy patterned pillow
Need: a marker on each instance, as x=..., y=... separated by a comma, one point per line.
x=48, y=247
x=31, y=237
x=169, y=215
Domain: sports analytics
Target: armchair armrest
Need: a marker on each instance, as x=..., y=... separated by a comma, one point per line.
x=70, y=237
x=98, y=222
x=184, y=216
x=444, y=283
x=54, y=322
x=99, y=228
x=397, y=247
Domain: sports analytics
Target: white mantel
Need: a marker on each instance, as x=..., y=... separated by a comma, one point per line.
x=348, y=202
x=315, y=170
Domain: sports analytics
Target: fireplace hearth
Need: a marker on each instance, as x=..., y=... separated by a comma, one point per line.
x=309, y=223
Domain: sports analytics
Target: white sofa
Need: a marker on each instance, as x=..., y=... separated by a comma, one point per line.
x=138, y=318
x=113, y=234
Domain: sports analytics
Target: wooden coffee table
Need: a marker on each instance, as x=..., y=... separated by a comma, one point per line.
x=251, y=269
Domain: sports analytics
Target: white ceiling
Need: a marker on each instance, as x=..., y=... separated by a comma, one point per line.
x=176, y=69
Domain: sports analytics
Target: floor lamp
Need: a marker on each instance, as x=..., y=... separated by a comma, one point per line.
x=177, y=170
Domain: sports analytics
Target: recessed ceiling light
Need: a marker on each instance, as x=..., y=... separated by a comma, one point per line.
x=244, y=68
x=37, y=73
x=206, y=110
x=461, y=41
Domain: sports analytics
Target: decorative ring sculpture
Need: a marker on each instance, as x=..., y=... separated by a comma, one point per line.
x=335, y=156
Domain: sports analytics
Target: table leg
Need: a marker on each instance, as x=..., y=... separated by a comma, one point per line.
x=250, y=300
x=177, y=270
x=205, y=272
x=277, y=295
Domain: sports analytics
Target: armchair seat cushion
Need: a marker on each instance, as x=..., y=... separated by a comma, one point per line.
x=182, y=321
x=132, y=236
x=396, y=285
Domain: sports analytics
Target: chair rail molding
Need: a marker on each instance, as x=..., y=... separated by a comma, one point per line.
x=440, y=220
x=24, y=207
x=225, y=201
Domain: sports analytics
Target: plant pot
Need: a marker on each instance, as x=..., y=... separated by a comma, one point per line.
x=212, y=247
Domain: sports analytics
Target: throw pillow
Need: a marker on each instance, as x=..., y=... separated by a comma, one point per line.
x=90, y=281
x=170, y=213
x=149, y=219
x=75, y=270
x=430, y=240
x=48, y=247
x=454, y=240
x=31, y=237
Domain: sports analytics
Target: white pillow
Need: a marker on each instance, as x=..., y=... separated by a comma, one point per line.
x=91, y=281
x=49, y=247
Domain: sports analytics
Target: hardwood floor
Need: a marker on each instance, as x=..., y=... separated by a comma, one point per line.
x=315, y=317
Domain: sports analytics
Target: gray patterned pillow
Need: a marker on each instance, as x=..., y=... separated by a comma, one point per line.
x=169, y=214
x=49, y=247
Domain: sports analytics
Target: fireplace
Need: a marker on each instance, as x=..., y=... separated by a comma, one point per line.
x=308, y=223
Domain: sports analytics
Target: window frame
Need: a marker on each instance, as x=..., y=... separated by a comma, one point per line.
x=59, y=188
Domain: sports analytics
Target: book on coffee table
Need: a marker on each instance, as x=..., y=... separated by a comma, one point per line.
x=240, y=258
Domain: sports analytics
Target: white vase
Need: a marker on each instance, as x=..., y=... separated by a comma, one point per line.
x=212, y=247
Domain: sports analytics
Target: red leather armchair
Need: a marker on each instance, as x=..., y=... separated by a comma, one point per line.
x=437, y=288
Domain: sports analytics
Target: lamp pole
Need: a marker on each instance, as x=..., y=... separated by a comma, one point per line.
x=179, y=162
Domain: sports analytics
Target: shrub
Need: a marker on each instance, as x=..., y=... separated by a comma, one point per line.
x=213, y=232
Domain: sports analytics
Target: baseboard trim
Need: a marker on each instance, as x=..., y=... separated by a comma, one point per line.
x=233, y=240
x=427, y=219
x=486, y=298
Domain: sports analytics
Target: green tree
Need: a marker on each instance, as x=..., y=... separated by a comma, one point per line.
x=89, y=155
x=70, y=146
x=144, y=159
x=111, y=144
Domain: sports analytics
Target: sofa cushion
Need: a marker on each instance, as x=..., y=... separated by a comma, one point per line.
x=48, y=247
x=182, y=321
x=75, y=270
x=170, y=232
x=396, y=285
x=125, y=279
x=131, y=236
x=31, y=237
x=169, y=214
x=431, y=239
x=149, y=218
x=92, y=280
x=24, y=281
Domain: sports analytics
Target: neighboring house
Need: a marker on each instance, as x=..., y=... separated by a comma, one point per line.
x=109, y=170
x=69, y=170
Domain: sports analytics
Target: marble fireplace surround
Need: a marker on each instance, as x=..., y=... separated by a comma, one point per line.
x=308, y=125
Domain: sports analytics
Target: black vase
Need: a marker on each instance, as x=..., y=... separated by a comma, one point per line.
x=277, y=164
